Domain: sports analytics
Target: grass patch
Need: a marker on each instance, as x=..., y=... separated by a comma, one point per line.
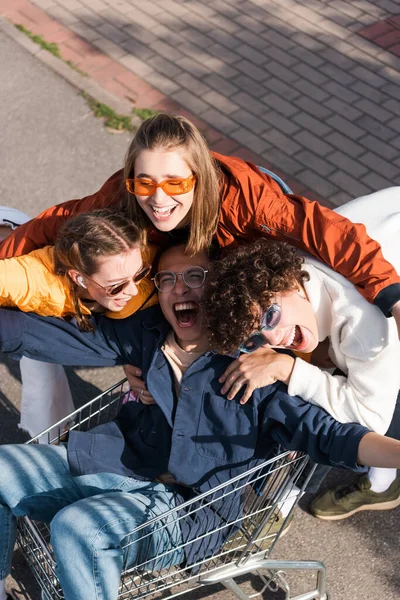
x=49, y=46
x=111, y=118
x=145, y=113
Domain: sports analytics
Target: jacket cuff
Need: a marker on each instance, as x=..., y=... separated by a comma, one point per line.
x=387, y=298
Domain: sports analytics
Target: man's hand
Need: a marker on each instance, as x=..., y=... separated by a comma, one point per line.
x=256, y=370
x=137, y=384
x=396, y=315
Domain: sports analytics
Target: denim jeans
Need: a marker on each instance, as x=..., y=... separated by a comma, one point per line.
x=90, y=517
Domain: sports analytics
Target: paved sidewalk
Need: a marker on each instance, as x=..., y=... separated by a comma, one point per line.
x=306, y=87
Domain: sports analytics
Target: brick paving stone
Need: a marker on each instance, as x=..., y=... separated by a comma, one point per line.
x=226, y=146
x=220, y=102
x=337, y=58
x=166, y=67
x=374, y=110
x=368, y=76
x=222, y=53
x=320, y=111
x=320, y=184
x=376, y=182
x=279, y=122
x=311, y=58
x=302, y=39
x=346, y=127
x=252, y=141
x=108, y=47
x=384, y=132
x=344, y=144
x=339, y=199
x=252, y=70
x=392, y=105
x=393, y=75
x=89, y=34
x=250, y=103
x=281, y=56
x=136, y=65
x=395, y=124
x=317, y=127
x=194, y=67
x=255, y=56
x=218, y=66
x=219, y=121
x=354, y=187
x=277, y=86
x=391, y=90
x=64, y=16
x=336, y=74
x=383, y=149
x=310, y=90
x=277, y=39
x=341, y=92
x=282, y=141
x=219, y=83
x=113, y=33
x=193, y=84
x=225, y=39
x=316, y=77
x=312, y=142
x=277, y=70
x=248, y=37
x=225, y=24
x=190, y=101
x=280, y=105
x=344, y=162
x=373, y=94
x=194, y=35
x=336, y=105
x=379, y=165
x=250, y=23
x=314, y=162
x=252, y=122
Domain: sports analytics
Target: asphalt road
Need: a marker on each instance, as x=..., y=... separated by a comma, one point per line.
x=53, y=149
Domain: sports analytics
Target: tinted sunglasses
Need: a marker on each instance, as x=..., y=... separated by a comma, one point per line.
x=171, y=187
x=269, y=320
x=114, y=290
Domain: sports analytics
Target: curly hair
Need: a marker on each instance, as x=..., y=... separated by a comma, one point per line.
x=248, y=275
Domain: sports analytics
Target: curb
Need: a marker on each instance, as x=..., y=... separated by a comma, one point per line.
x=80, y=82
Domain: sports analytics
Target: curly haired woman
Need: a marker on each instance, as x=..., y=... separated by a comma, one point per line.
x=266, y=296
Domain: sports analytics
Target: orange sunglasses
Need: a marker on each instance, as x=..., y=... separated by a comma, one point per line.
x=171, y=187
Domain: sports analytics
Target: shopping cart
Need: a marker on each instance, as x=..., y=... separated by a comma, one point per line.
x=250, y=536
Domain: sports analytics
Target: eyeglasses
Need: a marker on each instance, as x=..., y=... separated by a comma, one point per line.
x=114, y=290
x=171, y=187
x=193, y=277
x=269, y=320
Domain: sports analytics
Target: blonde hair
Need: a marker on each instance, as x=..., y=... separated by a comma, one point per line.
x=178, y=133
x=83, y=239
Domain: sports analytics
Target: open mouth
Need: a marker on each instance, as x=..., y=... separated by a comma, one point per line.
x=163, y=212
x=186, y=313
x=295, y=339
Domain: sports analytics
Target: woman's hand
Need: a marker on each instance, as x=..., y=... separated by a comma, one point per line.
x=137, y=384
x=256, y=370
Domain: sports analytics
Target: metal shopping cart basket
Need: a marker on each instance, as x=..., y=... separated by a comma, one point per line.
x=246, y=550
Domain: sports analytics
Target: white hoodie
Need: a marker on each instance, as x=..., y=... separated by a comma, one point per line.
x=364, y=344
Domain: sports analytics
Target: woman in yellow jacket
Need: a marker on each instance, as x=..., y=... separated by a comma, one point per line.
x=96, y=265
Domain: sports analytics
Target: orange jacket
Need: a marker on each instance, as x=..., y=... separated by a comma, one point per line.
x=252, y=204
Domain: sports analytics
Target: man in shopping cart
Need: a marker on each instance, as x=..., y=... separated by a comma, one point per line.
x=95, y=490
